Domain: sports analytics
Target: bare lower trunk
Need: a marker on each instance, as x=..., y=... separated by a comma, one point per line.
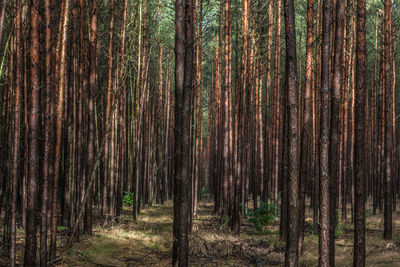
x=292, y=244
x=325, y=93
x=359, y=134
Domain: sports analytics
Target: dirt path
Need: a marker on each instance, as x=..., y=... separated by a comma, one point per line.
x=149, y=242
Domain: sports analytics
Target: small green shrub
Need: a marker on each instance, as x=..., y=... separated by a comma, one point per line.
x=266, y=214
x=128, y=199
x=339, y=232
x=204, y=193
x=312, y=227
x=62, y=228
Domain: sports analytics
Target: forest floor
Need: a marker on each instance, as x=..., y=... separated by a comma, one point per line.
x=148, y=242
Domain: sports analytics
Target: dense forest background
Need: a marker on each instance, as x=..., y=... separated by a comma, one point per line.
x=277, y=113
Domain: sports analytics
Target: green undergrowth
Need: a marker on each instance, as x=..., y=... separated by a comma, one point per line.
x=266, y=214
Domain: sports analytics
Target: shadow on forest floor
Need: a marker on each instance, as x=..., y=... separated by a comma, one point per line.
x=148, y=242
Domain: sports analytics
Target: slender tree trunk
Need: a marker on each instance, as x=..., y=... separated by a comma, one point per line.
x=277, y=106
x=91, y=110
x=374, y=128
x=108, y=140
x=24, y=182
x=139, y=88
x=306, y=136
x=184, y=52
x=2, y=18
x=325, y=93
x=167, y=145
x=292, y=243
x=219, y=86
x=48, y=170
x=359, y=155
x=160, y=107
x=381, y=120
x=345, y=134
x=199, y=103
x=240, y=122
x=267, y=126
x=334, y=143
x=316, y=114
x=34, y=135
x=227, y=175
x=17, y=133
x=394, y=144
x=59, y=125
x=387, y=234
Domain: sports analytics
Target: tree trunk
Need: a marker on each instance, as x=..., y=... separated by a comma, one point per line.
x=34, y=135
x=91, y=111
x=292, y=244
x=199, y=103
x=17, y=133
x=110, y=86
x=306, y=136
x=184, y=52
x=334, y=143
x=2, y=18
x=277, y=105
x=267, y=126
x=387, y=234
x=59, y=125
x=48, y=164
x=324, y=247
x=359, y=154
x=374, y=124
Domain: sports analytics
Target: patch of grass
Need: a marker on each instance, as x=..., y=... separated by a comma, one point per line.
x=62, y=228
x=202, y=218
x=149, y=234
x=154, y=246
x=103, y=248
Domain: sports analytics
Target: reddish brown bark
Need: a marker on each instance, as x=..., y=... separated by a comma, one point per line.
x=108, y=140
x=267, y=126
x=199, y=103
x=334, y=134
x=324, y=247
x=34, y=126
x=277, y=106
x=359, y=136
x=48, y=164
x=227, y=130
x=306, y=135
x=388, y=95
x=168, y=123
x=374, y=123
x=17, y=132
x=316, y=114
x=91, y=111
x=59, y=125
